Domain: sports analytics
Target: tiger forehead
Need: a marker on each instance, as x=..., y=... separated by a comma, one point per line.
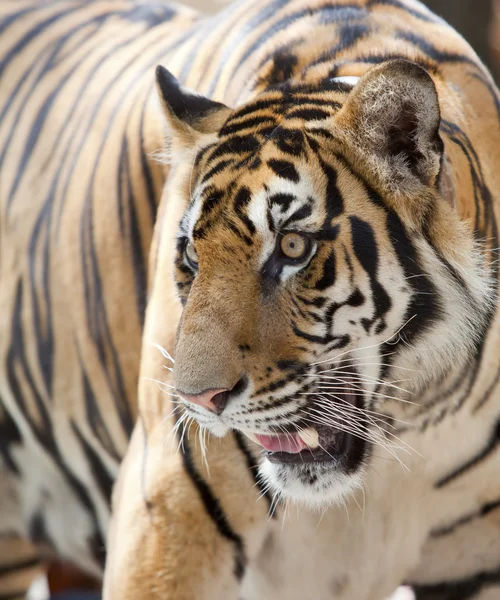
x=275, y=122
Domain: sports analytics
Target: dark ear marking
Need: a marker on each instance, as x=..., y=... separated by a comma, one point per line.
x=187, y=107
x=402, y=137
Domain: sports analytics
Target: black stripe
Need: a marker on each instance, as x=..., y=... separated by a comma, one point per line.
x=97, y=320
x=237, y=144
x=127, y=201
x=366, y=251
x=94, y=417
x=44, y=335
x=234, y=228
x=252, y=24
x=376, y=59
x=50, y=63
x=325, y=12
x=150, y=15
x=9, y=435
x=32, y=34
x=43, y=112
x=12, y=18
x=217, y=168
x=283, y=68
x=284, y=169
x=492, y=90
x=253, y=467
x=100, y=475
x=95, y=309
x=241, y=201
x=424, y=309
x=348, y=34
x=40, y=425
x=404, y=7
x=308, y=114
x=282, y=200
x=488, y=449
x=79, y=98
x=485, y=510
x=27, y=563
x=333, y=198
x=289, y=141
x=152, y=196
x=329, y=273
x=339, y=341
x=431, y=51
x=250, y=123
x=212, y=504
x=464, y=589
x=301, y=213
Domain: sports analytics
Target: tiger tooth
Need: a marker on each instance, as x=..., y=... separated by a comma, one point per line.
x=310, y=437
x=251, y=436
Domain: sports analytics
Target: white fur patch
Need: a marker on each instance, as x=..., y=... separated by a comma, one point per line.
x=347, y=79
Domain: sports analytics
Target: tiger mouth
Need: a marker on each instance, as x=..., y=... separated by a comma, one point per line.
x=301, y=443
x=320, y=444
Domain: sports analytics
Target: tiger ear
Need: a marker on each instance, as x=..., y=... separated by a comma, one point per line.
x=391, y=118
x=189, y=116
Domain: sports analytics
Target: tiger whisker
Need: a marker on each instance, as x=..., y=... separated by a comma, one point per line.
x=340, y=417
x=350, y=409
x=377, y=345
x=378, y=436
x=165, y=353
x=318, y=418
x=161, y=385
x=181, y=441
x=203, y=448
x=358, y=393
x=369, y=379
x=371, y=364
x=370, y=356
x=379, y=417
x=336, y=412
x=365, y=436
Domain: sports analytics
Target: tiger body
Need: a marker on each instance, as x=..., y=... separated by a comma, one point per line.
x=88, y=226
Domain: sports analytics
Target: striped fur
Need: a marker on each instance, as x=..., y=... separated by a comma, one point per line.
x=95, y=280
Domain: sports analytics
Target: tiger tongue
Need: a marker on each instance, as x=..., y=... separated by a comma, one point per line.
x=290, y=443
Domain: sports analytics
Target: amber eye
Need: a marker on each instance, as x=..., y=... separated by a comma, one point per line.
x=191, y=255
x=295, y=245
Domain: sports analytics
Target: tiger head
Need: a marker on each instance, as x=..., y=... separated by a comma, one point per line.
x=320, y=260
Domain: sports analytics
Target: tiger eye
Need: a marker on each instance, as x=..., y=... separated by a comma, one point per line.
x=294, y=245
x=191, y=254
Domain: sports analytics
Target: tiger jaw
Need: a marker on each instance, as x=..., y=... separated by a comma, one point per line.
x=311, y=445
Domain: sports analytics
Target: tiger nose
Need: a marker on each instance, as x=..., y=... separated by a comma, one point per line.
x=214, y=400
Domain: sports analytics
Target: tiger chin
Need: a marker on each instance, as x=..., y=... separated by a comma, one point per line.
x=320, y=261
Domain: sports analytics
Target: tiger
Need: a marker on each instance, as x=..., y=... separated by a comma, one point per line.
x=249, y=321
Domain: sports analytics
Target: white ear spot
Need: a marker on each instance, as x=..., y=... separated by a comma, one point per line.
x=347, y=79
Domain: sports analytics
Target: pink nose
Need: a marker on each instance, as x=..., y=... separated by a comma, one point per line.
x=214, y=400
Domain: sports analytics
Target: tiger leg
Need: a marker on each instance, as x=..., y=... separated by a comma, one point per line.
x=20, y=565
x=179, y=532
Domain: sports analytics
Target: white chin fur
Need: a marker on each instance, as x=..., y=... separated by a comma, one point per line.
x=329, y=487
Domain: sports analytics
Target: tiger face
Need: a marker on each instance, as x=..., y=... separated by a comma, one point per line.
x=319, y=263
